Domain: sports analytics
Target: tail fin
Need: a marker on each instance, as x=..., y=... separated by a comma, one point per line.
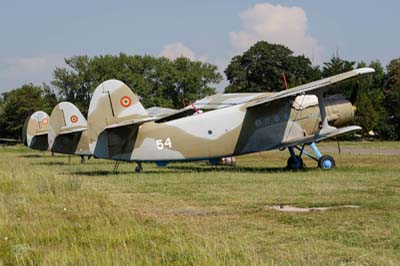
x=113, y=102
x=36, y=131
x=66, y=120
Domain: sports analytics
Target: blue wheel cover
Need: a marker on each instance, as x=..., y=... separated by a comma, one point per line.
x=327, y=164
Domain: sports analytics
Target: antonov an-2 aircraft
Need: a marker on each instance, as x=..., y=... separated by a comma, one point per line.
x=222, y=125
x=68, y=131
x=35, y=130
x=62, y=132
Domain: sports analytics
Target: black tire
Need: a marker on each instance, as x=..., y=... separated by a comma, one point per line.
x=295, y=164
x=138, y=169
x=326, y=162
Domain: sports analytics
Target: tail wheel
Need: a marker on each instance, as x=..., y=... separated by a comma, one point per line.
x=138, y=169
x=326, y=162
x=295, y=163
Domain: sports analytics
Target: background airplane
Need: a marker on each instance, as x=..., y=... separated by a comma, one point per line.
x=68, y=131
x=35, y=130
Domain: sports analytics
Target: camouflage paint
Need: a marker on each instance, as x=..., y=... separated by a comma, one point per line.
x=68, y=130
x=255, y=122
x=35, y=131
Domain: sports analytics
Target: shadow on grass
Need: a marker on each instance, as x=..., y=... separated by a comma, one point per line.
x=111, y=172
x=179, y=168
x=173, y=169
x=238, y=169
x=32, y=156
x=54, y=163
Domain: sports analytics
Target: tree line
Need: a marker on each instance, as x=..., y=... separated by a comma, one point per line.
x=160, y=81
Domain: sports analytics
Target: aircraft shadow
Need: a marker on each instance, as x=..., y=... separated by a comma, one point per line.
x=31, y=156
x=187, y=169
x=239, y=169
x=117, y=172
x=52, y=163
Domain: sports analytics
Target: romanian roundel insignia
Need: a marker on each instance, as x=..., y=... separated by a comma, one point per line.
x=126, y=101
x=45, y=121
x=74, y=119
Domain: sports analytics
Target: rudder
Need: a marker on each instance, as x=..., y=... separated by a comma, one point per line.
x=113, y=102
x=66, y=127
x=36, y=131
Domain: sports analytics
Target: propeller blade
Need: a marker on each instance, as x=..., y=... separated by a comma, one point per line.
x=354, y=93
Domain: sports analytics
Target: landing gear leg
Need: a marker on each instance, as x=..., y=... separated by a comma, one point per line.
x=139, y=168
x=82, y=159
x=325, y=162
x=116, y=165
x=295, y=162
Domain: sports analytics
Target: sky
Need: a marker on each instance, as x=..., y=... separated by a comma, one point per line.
x=36, y=36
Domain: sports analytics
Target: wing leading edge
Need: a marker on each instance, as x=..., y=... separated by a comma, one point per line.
x=315, y=85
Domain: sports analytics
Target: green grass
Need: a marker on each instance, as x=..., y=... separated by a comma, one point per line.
x=58, y=213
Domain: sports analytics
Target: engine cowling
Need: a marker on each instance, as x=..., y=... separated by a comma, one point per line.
x=339, y=110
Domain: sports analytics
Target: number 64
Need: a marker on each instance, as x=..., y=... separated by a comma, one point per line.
x=160, y=144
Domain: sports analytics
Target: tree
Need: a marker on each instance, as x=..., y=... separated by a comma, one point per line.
x=336, y=66
x=260, y=69
x=392, y=99
x=369, y=98
x=158, y=81
x=20, y=103
x=191, y=81
x=366, y=114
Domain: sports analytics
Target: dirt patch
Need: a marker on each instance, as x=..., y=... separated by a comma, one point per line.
x=288, y=208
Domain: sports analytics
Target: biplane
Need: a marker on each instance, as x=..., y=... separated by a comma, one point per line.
x=223, y=125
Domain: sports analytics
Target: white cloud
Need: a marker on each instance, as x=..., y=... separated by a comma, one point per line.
x=276, y=24
x=14, y=72
x=178, y=49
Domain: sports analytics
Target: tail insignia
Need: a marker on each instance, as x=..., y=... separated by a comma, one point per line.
x=74, y=119
x=125, y=101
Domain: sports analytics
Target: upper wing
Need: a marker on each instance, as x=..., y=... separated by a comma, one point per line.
x=160, y=111
x=218, y=101
x=212, y=102
x=315, y=85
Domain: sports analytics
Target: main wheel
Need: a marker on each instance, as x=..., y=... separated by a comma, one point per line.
x=326, y=162
x=295, y=163
x=138, y=169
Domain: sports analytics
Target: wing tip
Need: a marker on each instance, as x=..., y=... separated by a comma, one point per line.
x=365, y=70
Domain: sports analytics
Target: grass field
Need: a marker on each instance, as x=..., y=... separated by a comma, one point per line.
x=58, y=213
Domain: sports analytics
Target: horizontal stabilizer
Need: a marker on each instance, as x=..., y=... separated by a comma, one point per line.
x=41, y=133
x=72, y=130
x=130, y=122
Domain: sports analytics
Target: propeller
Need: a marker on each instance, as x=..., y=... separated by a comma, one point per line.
x=354, y=92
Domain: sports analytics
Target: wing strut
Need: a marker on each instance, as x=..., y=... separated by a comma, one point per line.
x=325, y=127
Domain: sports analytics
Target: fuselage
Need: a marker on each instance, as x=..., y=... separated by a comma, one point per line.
x=224, y=132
